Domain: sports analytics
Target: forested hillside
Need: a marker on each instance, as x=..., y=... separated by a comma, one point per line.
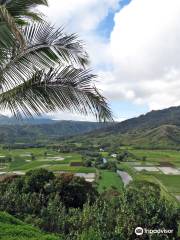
x=156, y=129
x=43, y=130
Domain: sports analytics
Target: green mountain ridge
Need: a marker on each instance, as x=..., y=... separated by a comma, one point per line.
x=156, y=129
x=153, y=119
x=44, y=132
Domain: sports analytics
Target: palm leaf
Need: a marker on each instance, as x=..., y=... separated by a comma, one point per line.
x=61, y=89
x=19, y=8
x=9, y=21
x=44, y=47
x=15, y=13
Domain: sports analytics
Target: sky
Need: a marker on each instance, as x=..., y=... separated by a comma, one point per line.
x=133, y=46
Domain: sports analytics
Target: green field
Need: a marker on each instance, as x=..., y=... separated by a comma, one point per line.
x=23, y=160
x=170, y=183
x=108, y=180
x=27, y=159
x=13, y=229
x=159, y=156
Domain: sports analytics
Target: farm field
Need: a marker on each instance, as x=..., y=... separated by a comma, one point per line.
x=109, y=180
x=23, y=160
x=159, y=156
x=172, y=183
x=160, y=166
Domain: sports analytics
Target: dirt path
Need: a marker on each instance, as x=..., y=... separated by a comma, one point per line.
x=126, y=178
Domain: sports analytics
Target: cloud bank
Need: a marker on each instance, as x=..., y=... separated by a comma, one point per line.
x=145, y=53
x=140, y=61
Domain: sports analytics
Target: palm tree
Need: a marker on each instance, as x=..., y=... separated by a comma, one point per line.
x=16, y=13
x=43, y=69
x=22, y=10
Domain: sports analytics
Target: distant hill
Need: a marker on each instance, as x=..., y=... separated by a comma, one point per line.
x=42, y=130
x=153, y=119
x=156, y=129
x=4, y=120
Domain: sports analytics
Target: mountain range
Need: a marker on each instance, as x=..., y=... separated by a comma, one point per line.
x=4, y=120
x=156, y=129
x=41, y=130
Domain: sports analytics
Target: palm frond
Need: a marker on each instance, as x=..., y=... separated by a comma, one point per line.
x=6, y=39
x=45, y=47
x=9, y=21
x=60, y=89
x=66, y=46
x=31, y=15
x=15, y=14
x=19, y=8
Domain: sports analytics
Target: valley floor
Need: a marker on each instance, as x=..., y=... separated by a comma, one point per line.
x=160, y=166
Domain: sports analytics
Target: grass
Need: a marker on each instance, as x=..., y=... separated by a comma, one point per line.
x=164, y=190
x=71, y=169
x=172, y=182
x=157, y=156
x=104, y=154
x=127, y=168
x=108, y=179
x=20, y=157
x=13, y=229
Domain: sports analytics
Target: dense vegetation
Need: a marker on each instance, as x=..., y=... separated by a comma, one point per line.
x=154, y=130
x=12, y=228
x=70, y=207
x=43, y=130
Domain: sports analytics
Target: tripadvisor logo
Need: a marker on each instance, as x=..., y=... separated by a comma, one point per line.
x=140, y=231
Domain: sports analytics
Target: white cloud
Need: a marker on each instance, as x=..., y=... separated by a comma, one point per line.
x=80, y=15
x=70, y=116
x=83, y=17
x=145, y=53
x=141, y=61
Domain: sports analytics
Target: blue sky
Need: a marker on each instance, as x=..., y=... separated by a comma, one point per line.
x=105, y=27
x=138, y=71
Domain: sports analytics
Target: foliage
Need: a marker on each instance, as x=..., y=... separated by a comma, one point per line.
x=154, y=130
x=13, y=229
x=35, y=181
x=32, y=193
x=109, y=165
x=124, y=156
x=32, y=132
x=87, y=163
x=142, y=205
x=112, y=215
x=43, y=69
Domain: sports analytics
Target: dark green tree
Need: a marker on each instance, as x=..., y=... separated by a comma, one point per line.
x=143, y=206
